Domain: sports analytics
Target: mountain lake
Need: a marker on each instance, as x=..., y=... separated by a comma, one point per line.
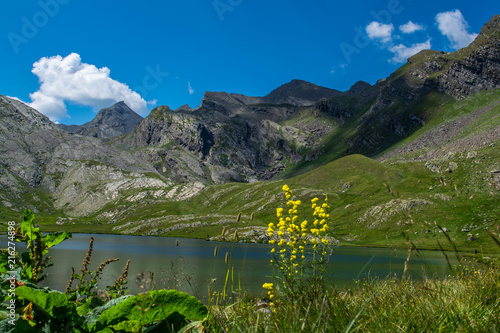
x=190, y=265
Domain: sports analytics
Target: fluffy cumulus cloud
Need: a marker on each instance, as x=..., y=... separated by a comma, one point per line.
x=70, y=80
x=402, y=52
x=383, y=32
x=380, y=31
x=410, y=27
x=453, y=25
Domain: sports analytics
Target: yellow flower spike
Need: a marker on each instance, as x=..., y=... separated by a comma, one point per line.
x=314, y=200
x=285, y=188
x=324, y=205
x=273, y=250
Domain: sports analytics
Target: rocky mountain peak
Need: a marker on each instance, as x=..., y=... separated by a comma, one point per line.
x=492, y=27
x=115, y=120
x=357, y=87
x=184, y=107
x=299, y=92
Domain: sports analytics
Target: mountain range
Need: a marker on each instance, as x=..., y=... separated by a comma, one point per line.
x=101, y=174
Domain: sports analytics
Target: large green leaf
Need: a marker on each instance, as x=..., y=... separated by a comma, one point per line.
x=172, y=306
x=52, y=239
x=94, y=314
x=46, y=301
x=28, y=227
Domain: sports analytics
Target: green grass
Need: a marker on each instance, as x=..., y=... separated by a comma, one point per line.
x=466, y=301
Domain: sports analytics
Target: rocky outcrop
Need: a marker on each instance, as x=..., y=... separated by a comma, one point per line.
x=87, y=187
x=478, y=67
x=222, y=140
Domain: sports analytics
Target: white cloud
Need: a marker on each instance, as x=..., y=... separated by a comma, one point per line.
x=453, y=25
x=402, y=52
x=410, y=27
x=377, y=30
x=190, y=90
x=68, y=79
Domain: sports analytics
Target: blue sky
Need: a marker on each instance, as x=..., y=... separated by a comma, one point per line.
x=69, y=58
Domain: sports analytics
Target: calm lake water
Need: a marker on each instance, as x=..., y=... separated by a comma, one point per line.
x=189, y=265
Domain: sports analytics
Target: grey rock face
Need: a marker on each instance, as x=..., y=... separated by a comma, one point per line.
x=223, y=140
x=479, y=68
